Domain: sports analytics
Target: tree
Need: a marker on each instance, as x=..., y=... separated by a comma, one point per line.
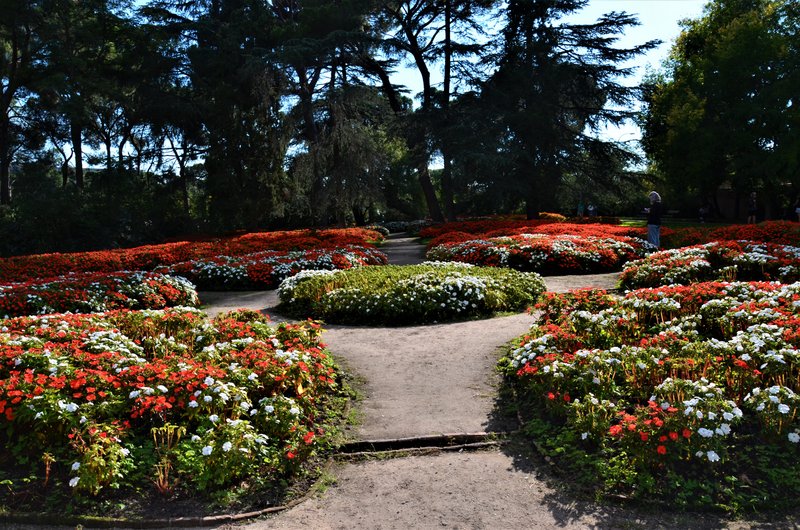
x=20, y=45
x=555, y=85
x=725, y=109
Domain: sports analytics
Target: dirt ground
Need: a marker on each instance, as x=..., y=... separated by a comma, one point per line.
x=440, y=379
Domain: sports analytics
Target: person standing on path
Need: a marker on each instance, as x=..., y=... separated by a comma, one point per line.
x=752, y=208
x=654, y=219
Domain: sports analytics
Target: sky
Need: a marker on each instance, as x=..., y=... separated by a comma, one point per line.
x=658, y=19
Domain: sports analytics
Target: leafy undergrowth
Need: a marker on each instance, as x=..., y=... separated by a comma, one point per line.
x=680, y=394
x=161, y=413
x=408, y=294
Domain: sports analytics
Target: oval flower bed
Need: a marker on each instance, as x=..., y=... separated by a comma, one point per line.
x=719, y=260
x=94, y=292
x=126, y=404
x=148, y=257
x=680, y=393
x=396, y=295
x=265, y=270
x=548, y=254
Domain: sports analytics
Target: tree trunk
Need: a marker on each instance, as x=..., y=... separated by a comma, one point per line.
x=448, y=188
x=76, y=137
x=424, y=178
x=5, y=163
x=448, y=192
x=64, y=174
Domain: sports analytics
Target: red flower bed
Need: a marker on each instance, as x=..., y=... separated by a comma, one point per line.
x=553, y=254
x=92, y=292
x=718, y=260
x=781, y=232
x=265, y=270
x=20, y=268
x=100, y=393
x=509, y=226
x=512, y=228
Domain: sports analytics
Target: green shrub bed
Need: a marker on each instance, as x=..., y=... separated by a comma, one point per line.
x=409, y=294
x=99, y=410
x=687, y=393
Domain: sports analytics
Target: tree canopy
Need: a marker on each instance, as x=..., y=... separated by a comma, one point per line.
x=725, y=110
x=130, y=121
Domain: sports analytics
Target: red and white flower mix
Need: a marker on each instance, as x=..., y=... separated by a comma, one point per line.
x=241, y=397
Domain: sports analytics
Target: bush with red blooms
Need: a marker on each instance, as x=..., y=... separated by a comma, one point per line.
x=93, y=292
x=675, y=391
x=166, y=401
x=20, y=268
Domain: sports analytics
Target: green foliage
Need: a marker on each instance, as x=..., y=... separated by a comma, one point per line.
x=398, y=295
x=722, y=110
x=554, y=82
x=139, y=209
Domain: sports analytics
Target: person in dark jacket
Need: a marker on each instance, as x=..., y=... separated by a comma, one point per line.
x=654, y=219
x=752, y=208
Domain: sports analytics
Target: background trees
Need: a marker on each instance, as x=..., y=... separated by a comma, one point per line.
x=123, y=121
x=725, y=111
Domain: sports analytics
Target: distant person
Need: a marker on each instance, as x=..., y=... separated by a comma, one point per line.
x=752, y=208
x=704, y=211
x=591, y=210
x=654, y=219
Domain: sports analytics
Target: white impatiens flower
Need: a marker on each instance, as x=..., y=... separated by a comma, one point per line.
x=76, y=466
x=712, y=456
x=207, y=450
x=195, y=438
x=705, y=433
x=193, y=404
x=74, y=481
x=214, y=418
x=294, y=411
x=783, y=408
x=227, y=446
x=794, y=437
x=163, y=389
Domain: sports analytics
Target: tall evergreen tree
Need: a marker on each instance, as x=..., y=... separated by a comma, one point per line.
x=556, y=84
